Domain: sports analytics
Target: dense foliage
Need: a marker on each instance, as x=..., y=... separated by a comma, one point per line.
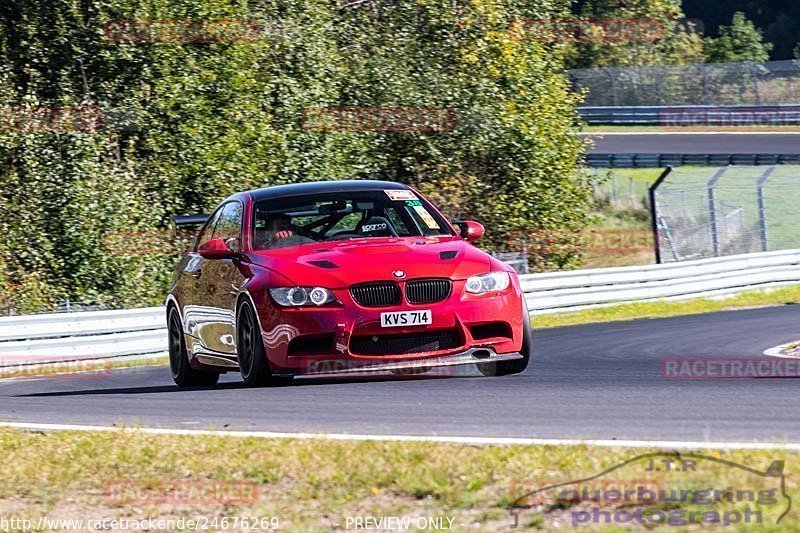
x=185, y=124
x=677, y=41
x=779, y=20
x=741, y=41
x=681, y=40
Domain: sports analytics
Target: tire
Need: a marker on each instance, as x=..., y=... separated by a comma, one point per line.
x=515, y=366
x=253, y=363
x=182, y=373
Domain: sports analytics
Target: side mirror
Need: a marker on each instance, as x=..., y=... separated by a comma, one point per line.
x=470, y=230
x=215, y=249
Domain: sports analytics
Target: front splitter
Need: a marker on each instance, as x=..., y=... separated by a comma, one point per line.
x=341, y=367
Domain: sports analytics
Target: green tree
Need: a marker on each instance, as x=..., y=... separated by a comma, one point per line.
x=741, y=41
x=660, y=35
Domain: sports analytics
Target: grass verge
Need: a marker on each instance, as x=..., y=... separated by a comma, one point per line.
x=618, y=237
x=661, y=309
x=318, y=485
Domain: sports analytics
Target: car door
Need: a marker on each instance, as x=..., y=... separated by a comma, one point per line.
x=223, y=279
x=196, y=311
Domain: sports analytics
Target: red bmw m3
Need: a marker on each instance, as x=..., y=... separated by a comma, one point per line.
x=340, y=278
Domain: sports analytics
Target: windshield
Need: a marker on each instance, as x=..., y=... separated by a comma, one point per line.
x=299, y=220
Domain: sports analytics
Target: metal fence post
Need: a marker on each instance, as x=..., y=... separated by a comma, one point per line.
x=712, y=209
x=754, y=74
x=631, y=192
x=651, y=192
x=762, y=210
x=660, y=87
x=610, y=73
x=614, y=198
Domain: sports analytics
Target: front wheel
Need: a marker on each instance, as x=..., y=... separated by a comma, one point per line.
x=515, y=366
x=182, y=373
x=253, y=363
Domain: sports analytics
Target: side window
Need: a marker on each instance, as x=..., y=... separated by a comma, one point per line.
x=229, y=225
x=207, y=232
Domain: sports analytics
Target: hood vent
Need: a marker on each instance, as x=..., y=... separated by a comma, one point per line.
x=323, y=263
x=450, y=254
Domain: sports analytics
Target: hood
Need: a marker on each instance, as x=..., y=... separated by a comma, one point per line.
x=339, y=264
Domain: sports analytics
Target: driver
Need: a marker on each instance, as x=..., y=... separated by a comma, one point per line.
x=279, y=228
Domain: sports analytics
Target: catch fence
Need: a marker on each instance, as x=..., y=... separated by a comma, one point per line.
x=712, y=212
x=718, y=84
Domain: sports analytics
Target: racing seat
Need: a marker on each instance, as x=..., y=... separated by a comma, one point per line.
x=376, y=226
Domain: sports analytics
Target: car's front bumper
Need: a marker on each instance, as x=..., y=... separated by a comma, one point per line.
x=299, y=340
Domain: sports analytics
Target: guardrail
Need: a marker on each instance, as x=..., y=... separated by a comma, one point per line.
x=678, y=117
x=34, y=339
x=583, y=289
x=94, y=334
x=677, y=160
x=83, y=323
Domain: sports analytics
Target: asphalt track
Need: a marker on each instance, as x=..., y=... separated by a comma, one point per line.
x=598, y=381
x=695, y=143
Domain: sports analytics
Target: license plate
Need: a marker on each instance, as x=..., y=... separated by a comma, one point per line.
x=406, y=318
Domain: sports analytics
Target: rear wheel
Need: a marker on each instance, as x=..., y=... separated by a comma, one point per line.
x=253, y=363
x=182, y=373
x=515, y=366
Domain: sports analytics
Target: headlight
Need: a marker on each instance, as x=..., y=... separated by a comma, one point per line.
x=300, y=296
x=489, y=282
